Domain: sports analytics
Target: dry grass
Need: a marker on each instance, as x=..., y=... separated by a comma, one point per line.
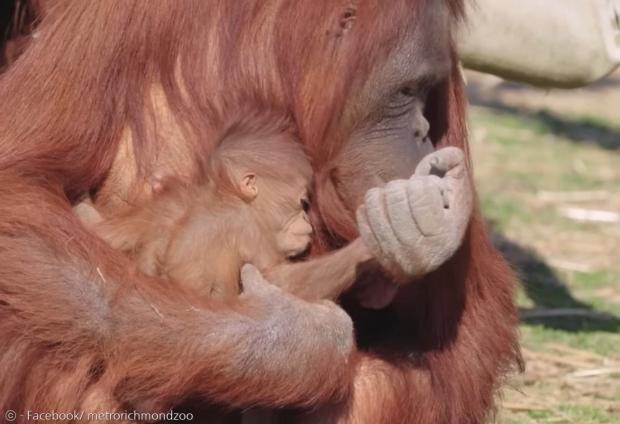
x=537, y=155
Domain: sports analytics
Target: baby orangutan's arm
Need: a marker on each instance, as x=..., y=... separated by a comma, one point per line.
x=325, y=277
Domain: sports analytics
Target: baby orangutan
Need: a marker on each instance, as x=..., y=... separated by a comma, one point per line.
x=252, y=208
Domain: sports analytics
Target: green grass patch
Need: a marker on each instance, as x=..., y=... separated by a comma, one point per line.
x=600, y=342
x=516, y=155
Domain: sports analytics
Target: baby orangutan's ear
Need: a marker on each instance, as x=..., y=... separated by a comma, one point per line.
x=248, y=187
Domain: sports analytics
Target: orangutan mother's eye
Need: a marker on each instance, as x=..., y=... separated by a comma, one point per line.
x=407, y=92
x=400, y=103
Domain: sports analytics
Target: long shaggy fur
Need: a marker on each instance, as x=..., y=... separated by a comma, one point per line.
x=66, y=102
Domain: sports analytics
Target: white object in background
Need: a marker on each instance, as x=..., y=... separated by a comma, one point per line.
x=552, y=43
x=610, y=27
x=592, y=215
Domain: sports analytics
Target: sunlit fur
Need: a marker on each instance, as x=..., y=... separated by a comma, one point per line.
x=199, y=235
x=84, y=81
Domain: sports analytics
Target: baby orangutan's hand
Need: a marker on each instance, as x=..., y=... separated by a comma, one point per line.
x=413, y=226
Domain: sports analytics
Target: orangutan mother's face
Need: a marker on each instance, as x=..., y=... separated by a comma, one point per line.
x=391, y=131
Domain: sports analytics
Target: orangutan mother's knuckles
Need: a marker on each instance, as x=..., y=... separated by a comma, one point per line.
x=379, y=223
x=426, y=202
x=334, y=324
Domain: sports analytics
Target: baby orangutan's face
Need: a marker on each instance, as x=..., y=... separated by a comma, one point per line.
x=295, y=237
x=287, y=216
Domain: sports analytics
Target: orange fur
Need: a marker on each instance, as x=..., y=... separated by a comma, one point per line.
x=73, y=310
x=199, y=236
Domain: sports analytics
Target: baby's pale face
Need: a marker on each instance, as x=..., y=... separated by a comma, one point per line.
x=296, y=235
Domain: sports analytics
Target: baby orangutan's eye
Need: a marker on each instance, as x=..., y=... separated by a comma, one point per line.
x=305, y=204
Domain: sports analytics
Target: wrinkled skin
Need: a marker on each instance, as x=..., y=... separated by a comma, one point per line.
x=413, y=219
x=391, y=131
x=413, y=226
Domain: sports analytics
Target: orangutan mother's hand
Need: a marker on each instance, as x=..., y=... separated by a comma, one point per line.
x=413, y=226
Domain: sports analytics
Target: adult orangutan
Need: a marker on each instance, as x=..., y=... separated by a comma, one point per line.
x=108, y=94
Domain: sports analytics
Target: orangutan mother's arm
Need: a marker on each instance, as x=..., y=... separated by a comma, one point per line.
x=71, y=305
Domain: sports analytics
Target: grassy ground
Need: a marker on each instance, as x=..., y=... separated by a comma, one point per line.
x=536, y=164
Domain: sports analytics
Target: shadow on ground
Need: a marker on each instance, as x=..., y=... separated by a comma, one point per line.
x=555, y=306
x=579, y=130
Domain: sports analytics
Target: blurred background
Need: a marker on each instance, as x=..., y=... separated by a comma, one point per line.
x=547, y=167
